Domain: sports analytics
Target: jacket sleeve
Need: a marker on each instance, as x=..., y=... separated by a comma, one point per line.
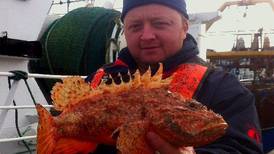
x=224, y=94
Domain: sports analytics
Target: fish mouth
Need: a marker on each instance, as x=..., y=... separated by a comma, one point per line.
x=219, y=125
x=210, y=133
x=213, y=129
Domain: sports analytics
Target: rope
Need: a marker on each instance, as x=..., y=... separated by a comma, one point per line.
x=75, y=49
x=112, y=45
x=31, y=95
x=46, y=46
x=20, y=75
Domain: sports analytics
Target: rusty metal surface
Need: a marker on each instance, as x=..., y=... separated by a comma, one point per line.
x=261, y=63
x=264, y=95
x=239, y=54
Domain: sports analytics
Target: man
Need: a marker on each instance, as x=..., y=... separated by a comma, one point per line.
x=156, y=31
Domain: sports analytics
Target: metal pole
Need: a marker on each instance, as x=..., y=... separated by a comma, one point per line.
x=17, y=139
x=8, y=102
x=45, y=76
x=22, y=107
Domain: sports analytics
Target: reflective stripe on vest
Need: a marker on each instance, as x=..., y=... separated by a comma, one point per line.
x=120, y=62
x=186, y=79
x=97, y=78
x=101, y=72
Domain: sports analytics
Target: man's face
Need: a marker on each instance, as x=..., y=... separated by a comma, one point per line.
x=154, y=32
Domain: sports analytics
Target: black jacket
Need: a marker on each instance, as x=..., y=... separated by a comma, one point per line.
x=221, y=92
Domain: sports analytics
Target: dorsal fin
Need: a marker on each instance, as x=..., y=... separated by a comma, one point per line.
x=71, y=89
x=146, y=80
x=74, y=89
x=158, y=75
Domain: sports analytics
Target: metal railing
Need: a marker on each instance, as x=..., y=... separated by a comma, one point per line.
x=10, y=98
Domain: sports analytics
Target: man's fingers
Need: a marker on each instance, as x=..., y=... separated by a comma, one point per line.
x=158, y=144
x=187, y=150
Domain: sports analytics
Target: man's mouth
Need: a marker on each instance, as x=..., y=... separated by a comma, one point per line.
x=149, y=47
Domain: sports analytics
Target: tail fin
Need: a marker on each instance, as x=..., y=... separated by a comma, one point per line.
x=48, y=141
x=46, y=132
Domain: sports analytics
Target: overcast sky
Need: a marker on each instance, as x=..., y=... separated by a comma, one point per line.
x=193, y=6
x=234, y=19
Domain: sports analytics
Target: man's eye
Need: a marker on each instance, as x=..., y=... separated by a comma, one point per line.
x=135, y=27
x=160, y=24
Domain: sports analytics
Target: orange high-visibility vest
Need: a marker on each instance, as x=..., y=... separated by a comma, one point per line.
x=187, y=79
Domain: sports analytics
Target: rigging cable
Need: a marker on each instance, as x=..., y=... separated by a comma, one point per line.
x=18, y=75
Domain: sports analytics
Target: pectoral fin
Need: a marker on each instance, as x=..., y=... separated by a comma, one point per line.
x=132, y=139
x=74, y=146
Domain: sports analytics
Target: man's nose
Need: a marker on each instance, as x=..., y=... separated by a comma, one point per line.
x=148, y=33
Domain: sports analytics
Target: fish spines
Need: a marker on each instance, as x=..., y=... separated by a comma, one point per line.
x=71, y=89
x=146, y=80
x=74, y=89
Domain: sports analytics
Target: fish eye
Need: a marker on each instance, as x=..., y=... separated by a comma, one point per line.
x=194, y=104
x=191, y=104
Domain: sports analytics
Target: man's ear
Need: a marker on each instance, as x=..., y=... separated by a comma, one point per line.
x=184, y=28
x=185, y=25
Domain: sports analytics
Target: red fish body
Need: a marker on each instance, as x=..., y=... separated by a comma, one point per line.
x=121, y=115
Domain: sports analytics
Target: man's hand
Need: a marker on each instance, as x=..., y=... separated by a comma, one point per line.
x=163, y=147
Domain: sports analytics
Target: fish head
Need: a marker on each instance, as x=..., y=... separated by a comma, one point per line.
x=189, y=124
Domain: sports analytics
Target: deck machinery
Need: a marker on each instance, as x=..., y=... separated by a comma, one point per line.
x=254, y=67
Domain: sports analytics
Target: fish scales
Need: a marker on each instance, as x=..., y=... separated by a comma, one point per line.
x=122, y=114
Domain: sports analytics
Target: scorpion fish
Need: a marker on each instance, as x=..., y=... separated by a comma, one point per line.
x=121, y=115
